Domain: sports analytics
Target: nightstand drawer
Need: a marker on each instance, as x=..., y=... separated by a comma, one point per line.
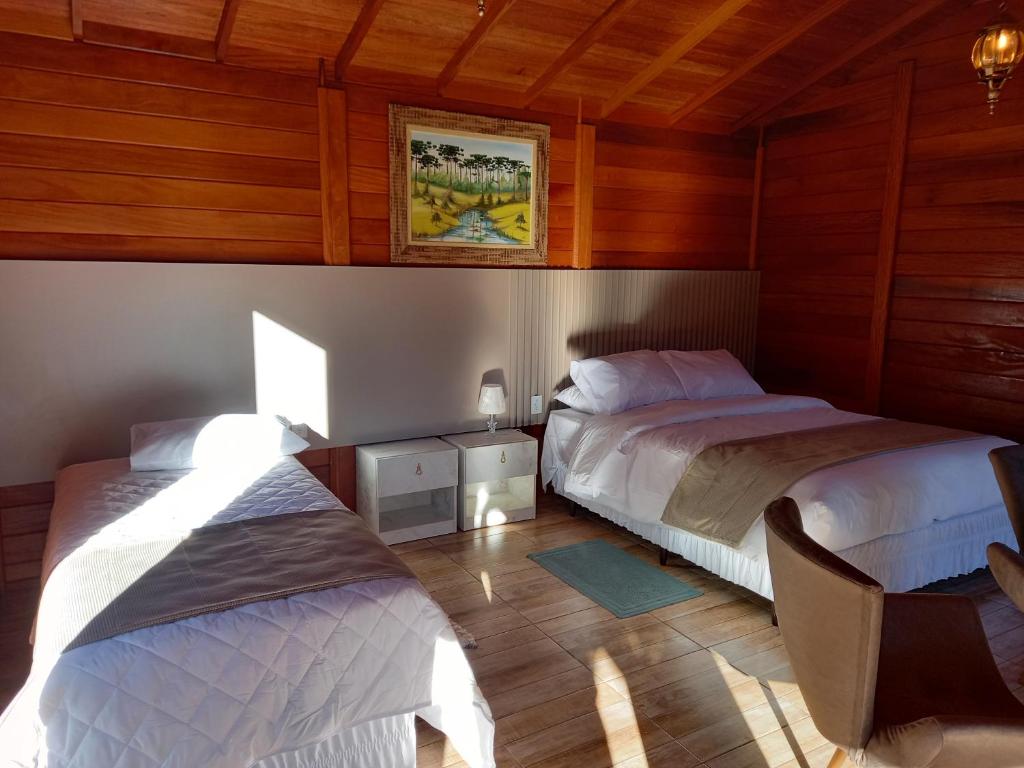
x=496, y=462
x=417, y=472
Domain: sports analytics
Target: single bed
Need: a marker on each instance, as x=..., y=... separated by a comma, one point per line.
x=906, y=518
x=328, y=677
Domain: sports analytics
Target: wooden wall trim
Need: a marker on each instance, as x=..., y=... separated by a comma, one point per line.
x=755, y=203
x=583, y=223
x=333, y=146
x=889, y=232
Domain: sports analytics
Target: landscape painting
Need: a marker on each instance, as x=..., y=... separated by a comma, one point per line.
x=470, y=189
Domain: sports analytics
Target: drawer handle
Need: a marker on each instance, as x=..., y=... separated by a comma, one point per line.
x=419, y=469
x=503, y=457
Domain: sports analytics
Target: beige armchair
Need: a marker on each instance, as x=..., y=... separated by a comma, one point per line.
x=890, y=679
x=1008, y=463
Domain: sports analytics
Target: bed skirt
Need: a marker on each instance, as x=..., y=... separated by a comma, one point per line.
x=900, y=562
x=389, y=742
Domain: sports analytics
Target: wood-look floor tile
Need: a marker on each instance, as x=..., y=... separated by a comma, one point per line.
x=686, y=709
x=597, y=740
x=488, y=627
x=731, y=629
x=612, y=665
x=559, y=608
x=667, y=672
x=515, y=667
x=693, y=622
x=749, y=645
x=712, y=597
x=577, y=620
x=774, y=749
x=738, y=729
x=505, y=641
x=539, y=691
x=528, y=721
x=671, y=755
x=602, y=632
x=1003, y=619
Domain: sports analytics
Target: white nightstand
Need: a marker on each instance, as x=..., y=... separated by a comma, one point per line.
x=497, y=477
x=406, y=489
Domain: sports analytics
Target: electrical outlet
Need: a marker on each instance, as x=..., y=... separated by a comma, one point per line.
x=536, y=404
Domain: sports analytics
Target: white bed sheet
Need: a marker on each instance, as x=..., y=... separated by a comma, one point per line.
x=279, y=680
x=625, y=467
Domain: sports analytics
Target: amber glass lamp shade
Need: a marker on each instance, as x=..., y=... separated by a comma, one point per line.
x=997, y=52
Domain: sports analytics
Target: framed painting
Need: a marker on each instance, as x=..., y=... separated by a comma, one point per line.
x=467, y=189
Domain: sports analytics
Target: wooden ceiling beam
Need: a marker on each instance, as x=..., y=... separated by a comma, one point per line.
x=580, y=45
x=823, y=12
x=116, y=36
x=680, y=48
x=76, y=19
x=495, y=10
x=879, y=36
x=226, y=26
x=356, y=35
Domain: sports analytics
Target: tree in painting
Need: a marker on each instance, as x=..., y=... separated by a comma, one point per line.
x=470, y=188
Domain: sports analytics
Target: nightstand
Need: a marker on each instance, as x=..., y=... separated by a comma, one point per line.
x=406, y=489
x=497, y=477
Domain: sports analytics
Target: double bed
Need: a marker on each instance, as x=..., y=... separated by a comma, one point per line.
x=325, y=677
x=907, y=518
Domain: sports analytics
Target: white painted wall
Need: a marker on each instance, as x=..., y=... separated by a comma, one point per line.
x=87, y=349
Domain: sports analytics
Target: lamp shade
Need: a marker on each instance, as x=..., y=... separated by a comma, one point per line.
x=492, y=399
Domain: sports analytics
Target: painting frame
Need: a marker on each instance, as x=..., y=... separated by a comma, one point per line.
x=493, y=241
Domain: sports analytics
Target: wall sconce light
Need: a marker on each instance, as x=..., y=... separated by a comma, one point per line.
x=997, y=52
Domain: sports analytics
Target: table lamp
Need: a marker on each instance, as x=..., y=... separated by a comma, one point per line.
x=492, y=402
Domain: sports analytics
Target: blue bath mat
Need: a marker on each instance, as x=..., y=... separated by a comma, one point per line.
x=620, y=582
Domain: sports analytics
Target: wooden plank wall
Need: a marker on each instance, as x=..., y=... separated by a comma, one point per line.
x=821, y=203
x=954, y=351
x=113, y=154
x=109, y=154
x=671, y=199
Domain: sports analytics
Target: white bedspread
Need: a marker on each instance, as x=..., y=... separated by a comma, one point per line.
x=228, y=689
x=632, y=461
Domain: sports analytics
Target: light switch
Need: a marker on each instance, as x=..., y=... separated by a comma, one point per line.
x=536, y=404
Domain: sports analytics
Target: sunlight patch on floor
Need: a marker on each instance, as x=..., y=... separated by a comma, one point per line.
x=618, y=718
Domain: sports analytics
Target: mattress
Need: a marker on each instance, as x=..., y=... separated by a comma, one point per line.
x=272, y=683
x=884, y=512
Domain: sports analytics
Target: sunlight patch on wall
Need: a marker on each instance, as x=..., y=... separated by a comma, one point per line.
x=291, y=375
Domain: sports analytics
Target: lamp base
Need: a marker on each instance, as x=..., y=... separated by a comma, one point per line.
x=492, y=424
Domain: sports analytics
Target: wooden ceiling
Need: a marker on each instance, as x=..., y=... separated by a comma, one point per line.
x=707, y=65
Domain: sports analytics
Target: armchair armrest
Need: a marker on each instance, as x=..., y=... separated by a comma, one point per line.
x=1008, y=568
x=950, y=742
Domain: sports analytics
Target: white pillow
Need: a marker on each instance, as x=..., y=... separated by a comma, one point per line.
x=573, y=397
x=707, y=375
x=233, y=438
x=628, y=380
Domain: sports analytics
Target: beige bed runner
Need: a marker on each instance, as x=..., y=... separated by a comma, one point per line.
x=728, y=485
x=110, y=591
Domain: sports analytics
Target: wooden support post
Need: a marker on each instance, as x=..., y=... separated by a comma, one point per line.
x=583, y=225
x=334, y=174
x=888, y=235
x=755, y=208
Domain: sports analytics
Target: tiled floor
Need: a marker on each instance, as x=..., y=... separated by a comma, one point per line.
x=705, y=682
